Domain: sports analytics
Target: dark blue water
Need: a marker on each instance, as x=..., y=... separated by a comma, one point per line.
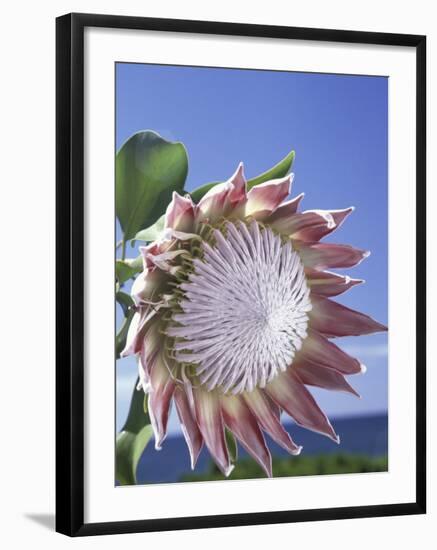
x=364, y=434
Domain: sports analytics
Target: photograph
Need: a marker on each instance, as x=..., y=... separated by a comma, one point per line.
x=229, y=280
x=251, y=274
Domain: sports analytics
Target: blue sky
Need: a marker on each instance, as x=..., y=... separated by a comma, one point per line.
x=337, y=126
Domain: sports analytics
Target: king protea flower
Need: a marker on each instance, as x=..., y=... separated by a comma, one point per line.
x=234, y=318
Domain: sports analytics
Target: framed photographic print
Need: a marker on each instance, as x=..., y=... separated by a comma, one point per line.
x=240, y=274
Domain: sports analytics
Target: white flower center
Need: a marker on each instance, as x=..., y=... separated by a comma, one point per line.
x=244, y=312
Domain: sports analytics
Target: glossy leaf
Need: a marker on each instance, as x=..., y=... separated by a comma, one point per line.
x=126, y=304
x=153, y=232
x=231, y=442
x=132, y=440
x=135, y=263
x=121, y=336
x=198, y=193
x=124, y=271
x=278, y=171
x=125, y=301
x=148, y=170
x=127, y=269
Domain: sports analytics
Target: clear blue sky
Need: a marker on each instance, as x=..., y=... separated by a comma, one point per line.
x=338, y=127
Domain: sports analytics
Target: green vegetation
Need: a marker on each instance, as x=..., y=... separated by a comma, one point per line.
x=333, y=463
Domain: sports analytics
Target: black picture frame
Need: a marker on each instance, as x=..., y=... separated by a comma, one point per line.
x=70, y=273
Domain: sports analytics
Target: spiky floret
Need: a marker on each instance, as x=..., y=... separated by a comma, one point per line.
x=244, y=310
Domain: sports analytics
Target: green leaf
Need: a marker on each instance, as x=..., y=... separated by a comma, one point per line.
x=121, y=336
x=232, y=445
x=126, y=304
x=135, y=263
x=148, y=169
x=151, y=233
x=132, y=440
x=278, y=171
x=124, y=271
x=198, y=193
x=127, y=269
x=124, y=300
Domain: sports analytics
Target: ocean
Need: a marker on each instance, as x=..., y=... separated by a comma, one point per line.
x=365, y=435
